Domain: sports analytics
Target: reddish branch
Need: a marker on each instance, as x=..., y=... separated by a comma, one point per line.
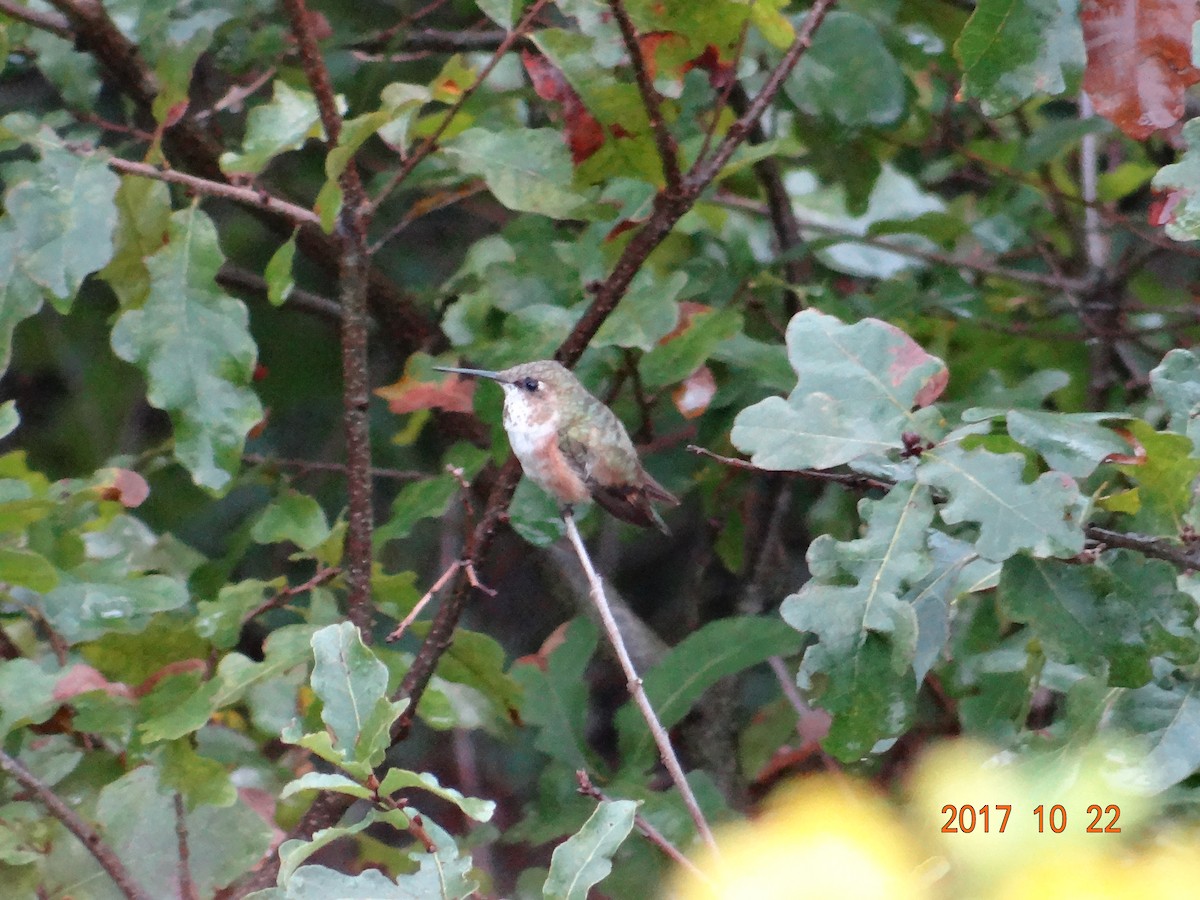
x=353, y=272
x=90, y=837
x=668, y=150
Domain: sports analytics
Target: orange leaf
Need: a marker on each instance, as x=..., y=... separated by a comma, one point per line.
x=695, y=393
x=582, y=132
x=409, y=394
x=1139, y=61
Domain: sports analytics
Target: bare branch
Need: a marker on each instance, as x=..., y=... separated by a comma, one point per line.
x=353, y=285
x=668, y=150
x=43, y=21
x=90, y=837
x=312, y=465
x=246, y=196
x=187, y=887
x=652, y=834
x=634, y=683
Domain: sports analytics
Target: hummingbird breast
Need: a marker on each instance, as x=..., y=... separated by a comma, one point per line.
x=534, y=440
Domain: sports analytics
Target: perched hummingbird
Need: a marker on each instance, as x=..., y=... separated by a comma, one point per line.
x=571, y=445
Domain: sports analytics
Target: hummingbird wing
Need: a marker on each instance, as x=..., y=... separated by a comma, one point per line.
x=625, y=495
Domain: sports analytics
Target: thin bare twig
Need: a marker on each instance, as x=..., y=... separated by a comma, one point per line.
x=90, y=837
x=43, y=21
x=322, y=576
x=246, y=196
x=427, y=145
x=652, y=834
x=187, y=887
x=311, y=465
x=668, y=150
x=424, y=601
x=636, y=691
x=848, y=479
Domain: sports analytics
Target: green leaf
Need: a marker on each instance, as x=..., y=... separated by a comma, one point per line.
x=554, y=697
x=682, y=355
x=220, y=620
x=293, y=853
x=193, y=343
x=178, y=705
x=290, y=119
x=502, y=12
x=85, y=610
x=9, y=417
x=1176, y=383
x=535, y=515
x=527, y=170
x=1013, y=49
x=1045, y=517
x=399, y=779
x=646, y=314
x=292, y=517
x=201, y=781
x=138, y=821
x=1164, y=478
x=325, y=781
x=692, y=666
x=143, y=217
x=857, y=388
x=417, y=500
x=585, y=859
x=847, y=53
x=20, y=298
x=1167, y=721
x=26, y=694
x=1122, y=609
x=278, y=274
x=477, y=660
x=28, y=569
x=860, y=669
x=64, y=216
x=1074, y=444
x=349, y=679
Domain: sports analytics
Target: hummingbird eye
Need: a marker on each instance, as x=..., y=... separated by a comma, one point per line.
x=529, y=384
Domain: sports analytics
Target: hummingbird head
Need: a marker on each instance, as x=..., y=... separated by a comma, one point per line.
x=536, y=389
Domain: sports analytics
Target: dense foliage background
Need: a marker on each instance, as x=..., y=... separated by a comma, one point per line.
x=896, y=296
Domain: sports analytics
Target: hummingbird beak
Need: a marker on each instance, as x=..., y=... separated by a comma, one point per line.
x=477, y=373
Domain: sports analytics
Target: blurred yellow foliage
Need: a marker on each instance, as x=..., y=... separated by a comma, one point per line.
x=976, y=823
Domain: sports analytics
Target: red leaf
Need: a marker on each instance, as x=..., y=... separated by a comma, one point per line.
x=582, y=132
x=720, y=74
x=1138, y=61
x=1162, y=207
x=82, y=678
x=453, y=394
x=127, y=487
x=695, y=393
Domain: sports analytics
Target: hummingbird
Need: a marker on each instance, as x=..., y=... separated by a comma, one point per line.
x=571, y=445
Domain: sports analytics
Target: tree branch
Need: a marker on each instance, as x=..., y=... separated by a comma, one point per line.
x=668, y=150
x=43, y=21
x=668, y=209
x=426, y=146
x=253, y=197
x=1185, y=557
x=353, y=275
x=76, y=825
x=636, y=690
